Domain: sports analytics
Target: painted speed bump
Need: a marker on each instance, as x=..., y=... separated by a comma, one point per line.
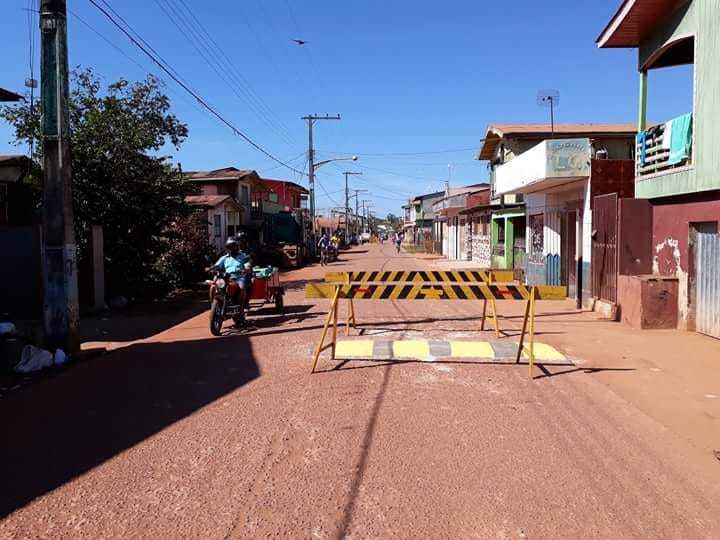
x=354, y=349
x=471, y=349
x=422, y=349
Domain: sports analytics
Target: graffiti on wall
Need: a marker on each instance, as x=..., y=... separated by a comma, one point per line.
x=537, y=226
x=482, y=250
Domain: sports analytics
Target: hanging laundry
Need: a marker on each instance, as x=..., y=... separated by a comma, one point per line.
x=681, y=139
x=641, y=139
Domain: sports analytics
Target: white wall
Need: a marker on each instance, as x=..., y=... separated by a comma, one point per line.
x=550, y=159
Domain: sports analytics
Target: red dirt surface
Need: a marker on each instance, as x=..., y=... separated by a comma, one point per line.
x=177, y=433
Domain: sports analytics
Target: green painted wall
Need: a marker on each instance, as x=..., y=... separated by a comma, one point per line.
x=503, y=262
x=701, y=18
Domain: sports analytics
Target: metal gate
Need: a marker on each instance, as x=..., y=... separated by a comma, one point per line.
x=604, y=247
x=707, y=268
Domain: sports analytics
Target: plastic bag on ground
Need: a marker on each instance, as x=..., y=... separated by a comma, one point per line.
x=33, y=359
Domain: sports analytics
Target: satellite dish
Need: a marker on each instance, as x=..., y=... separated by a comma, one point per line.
x=549, y=98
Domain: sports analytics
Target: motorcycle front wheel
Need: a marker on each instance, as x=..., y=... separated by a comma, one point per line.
x=216, y=318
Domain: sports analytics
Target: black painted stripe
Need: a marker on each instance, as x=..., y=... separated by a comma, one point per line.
x=516, y=293
x=459, y=292
x=387, y=292
x=424, y=276
x=477, y=291
x=411, y=275
x=405, y=292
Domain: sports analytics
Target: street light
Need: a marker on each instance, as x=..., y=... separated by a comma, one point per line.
x=319, y=164
x=314, y=167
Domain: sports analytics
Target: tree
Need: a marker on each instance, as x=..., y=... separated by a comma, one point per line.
x=393, y=220
x=119, y=179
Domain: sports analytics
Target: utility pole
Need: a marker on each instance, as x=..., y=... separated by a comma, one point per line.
x=311, y=119
x=347, y=204
x=60, y=307
x=357, y=210
x=364, y=212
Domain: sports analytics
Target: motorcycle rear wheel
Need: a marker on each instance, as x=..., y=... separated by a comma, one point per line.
x=216, y=319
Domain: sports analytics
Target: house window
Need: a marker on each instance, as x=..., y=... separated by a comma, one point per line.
x=273, y=197
x=245, y=195
x=217, y=225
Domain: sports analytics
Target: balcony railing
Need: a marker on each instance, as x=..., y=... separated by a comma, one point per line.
x=659, y=154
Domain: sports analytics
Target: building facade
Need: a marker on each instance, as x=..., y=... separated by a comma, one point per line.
x=556, y=170
x=677, y=168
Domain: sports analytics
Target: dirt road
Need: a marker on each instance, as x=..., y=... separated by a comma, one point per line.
x=181, y=434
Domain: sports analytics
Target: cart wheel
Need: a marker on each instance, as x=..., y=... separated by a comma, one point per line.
x=279, y=302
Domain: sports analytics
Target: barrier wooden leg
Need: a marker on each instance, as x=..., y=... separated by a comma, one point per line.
x=331, y=314
x=350, y=317
x=335, y=328
x=524, y=328
x=482, y=322
x=531, y=363
x=494, y=317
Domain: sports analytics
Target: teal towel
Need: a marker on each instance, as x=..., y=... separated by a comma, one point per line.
x=681, y=139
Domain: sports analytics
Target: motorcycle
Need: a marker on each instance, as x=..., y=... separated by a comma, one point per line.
x=223, y=292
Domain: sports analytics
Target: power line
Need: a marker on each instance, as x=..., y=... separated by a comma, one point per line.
x=177, y=78
x=416, y=153
x=222, y=60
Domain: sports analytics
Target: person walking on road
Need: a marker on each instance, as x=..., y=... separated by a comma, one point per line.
x=398, y=241
x=324, y=245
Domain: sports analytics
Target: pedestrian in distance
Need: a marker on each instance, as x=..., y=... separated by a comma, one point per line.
x=324, y=245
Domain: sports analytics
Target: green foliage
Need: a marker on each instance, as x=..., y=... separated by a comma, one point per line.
x=119, y=180
x=189, y=252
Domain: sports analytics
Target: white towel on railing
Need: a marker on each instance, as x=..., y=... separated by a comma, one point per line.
x=667, y=135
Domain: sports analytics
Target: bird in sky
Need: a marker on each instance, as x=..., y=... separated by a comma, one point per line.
x=300, y=42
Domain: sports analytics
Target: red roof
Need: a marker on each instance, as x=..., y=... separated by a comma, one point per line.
x=495, y=132
x=278, y=184
x=634, y=20
x=210, y=201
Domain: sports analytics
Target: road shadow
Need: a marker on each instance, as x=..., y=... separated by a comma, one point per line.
x=361, y=465
x=141, y=321
x=60, y=428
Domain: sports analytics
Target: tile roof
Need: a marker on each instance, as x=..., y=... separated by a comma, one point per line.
x=207, y=200
x=227, y=173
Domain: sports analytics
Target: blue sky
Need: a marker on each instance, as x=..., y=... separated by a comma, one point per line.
x=416, y=77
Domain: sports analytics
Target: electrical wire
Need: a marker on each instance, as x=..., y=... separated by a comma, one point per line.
x=205, y=39
x=415, y=153
x=157, y=59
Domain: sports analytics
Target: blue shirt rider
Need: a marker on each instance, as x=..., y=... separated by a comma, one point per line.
x=233, y=263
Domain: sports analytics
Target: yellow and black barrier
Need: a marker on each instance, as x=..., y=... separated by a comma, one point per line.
x=431, y=291
x=422, y=276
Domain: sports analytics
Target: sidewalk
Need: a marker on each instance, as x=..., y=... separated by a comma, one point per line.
x=672, y=376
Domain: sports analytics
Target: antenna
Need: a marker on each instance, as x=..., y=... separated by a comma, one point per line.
x=551, y=98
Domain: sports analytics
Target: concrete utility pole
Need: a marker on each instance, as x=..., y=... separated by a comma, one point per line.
x=347, y=204
x=357, y=210
x=366, y=207
x=311, y=119
x=60, y=308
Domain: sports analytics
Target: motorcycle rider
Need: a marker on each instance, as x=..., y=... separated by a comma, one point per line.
x=233, y=263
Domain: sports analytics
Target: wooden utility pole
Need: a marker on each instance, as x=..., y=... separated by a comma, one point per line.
x=60, y=307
